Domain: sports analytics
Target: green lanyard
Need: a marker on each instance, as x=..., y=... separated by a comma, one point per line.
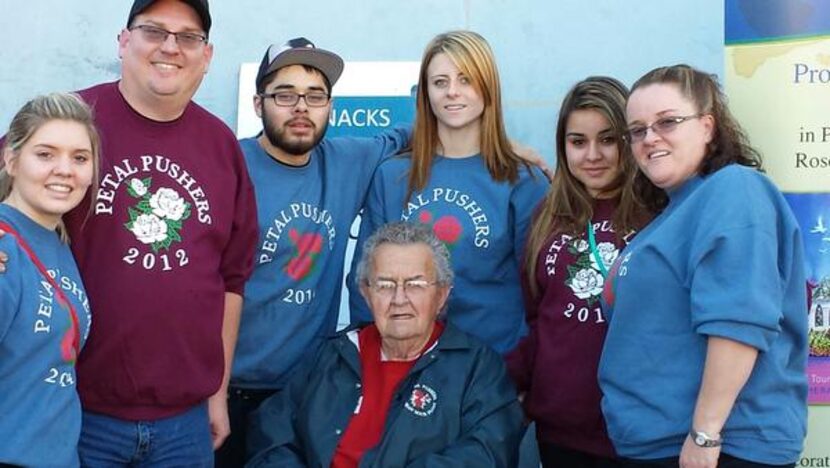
x=593, y=243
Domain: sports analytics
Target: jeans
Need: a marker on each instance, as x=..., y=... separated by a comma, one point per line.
x=241, y=403
x=724, y=461
x=183, y=440
x=554, y=456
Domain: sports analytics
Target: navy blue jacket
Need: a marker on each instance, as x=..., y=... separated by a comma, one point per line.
x=456, y=407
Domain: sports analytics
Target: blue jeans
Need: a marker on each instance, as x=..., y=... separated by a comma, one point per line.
x=180, y=440
x=724, y=461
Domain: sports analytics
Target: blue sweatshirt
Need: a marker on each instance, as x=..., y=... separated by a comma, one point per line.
x=483, y=223
x=40, y=412
x=292, y=299
x=724, y=259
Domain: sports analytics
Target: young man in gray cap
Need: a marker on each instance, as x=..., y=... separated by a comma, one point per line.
x=309, y=190
x=164, y=253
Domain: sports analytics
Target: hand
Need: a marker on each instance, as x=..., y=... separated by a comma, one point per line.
x=531, y=156
x=3, y=257
x=693, y=456
x=220, y=426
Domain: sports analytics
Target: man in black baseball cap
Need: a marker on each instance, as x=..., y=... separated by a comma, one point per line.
x=165, y=252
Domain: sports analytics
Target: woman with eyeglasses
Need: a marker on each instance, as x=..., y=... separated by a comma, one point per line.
x=704, y=360
x=462, y=179
x=50, y=160
x=579, y=229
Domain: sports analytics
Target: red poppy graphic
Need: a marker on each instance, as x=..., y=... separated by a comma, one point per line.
x=307, y=247
x=68, y=345
x=609, y=290
x=448, y=229
x=298, y=267
x=310, y=243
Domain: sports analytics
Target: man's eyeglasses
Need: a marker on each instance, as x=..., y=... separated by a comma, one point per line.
x=290, y=98
x=411, y=288
x=661, y=126
x=185, y=40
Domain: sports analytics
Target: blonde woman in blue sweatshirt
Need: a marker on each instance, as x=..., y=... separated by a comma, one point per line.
x=463, y=179
x=50, y=160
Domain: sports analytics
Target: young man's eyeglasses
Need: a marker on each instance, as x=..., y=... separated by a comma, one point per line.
x=155, y=35
x=411, y=288
x=661, y=126
x=290, y=98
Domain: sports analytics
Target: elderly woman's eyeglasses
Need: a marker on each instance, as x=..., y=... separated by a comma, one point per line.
x=185, y=40
x=661, y=126
x=412, y=288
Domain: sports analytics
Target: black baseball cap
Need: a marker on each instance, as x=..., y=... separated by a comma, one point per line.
x=299, y=51
x=201, y=7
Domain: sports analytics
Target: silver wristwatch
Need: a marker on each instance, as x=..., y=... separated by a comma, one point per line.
x=702, y=439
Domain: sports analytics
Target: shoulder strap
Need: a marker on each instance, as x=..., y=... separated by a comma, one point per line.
x=61, y=297
x=594, y=251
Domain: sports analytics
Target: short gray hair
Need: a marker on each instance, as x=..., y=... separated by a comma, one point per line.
x=404, y=233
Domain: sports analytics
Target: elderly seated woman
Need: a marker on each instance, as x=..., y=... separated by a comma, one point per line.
x=406, y=390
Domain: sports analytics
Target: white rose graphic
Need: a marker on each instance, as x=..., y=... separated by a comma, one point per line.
x=138, y=187
x=149, y=229
x=581, y=245
x=608, y=252
x=166, y=203
x=586, y=283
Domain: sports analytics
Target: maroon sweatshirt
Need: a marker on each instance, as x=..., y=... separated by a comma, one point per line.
x=556, y=363
x=172, y=229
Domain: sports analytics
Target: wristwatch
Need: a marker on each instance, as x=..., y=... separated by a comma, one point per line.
x=702, y=439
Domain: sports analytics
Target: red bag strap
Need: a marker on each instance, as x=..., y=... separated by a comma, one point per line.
x=62, y=299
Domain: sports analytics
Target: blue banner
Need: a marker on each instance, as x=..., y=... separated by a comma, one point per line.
x=773, y=20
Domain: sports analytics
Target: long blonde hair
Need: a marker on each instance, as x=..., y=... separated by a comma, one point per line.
x=36, y=113
x=472, y=55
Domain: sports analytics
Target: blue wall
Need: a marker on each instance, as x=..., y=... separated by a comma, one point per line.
x=542, y=46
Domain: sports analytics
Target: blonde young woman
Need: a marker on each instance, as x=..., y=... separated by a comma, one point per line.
x=50, y=160
x=462, y=178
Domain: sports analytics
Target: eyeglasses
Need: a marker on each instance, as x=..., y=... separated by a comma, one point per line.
x=290, y=98
x=185, y=40
x=661, y=126
x=411, y=288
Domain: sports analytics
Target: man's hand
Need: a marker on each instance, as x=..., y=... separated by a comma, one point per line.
x=3, y=257
x=692, y=456
x=220, y=426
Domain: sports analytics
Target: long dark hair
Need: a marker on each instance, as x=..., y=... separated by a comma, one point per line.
x=568, y=206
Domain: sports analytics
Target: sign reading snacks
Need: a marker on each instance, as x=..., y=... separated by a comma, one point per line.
x=369, y=98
